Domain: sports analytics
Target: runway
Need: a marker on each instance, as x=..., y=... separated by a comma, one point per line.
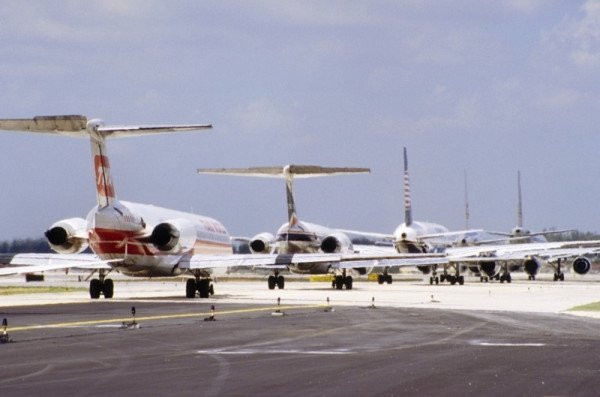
x=79, y=347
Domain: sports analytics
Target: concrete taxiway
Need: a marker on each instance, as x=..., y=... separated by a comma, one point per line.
x=461, y=341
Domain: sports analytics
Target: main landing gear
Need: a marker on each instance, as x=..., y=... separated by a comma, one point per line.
x=505, y=276
x=276, y=280
x=452, y=279
x=559, y=275
x=339, y=281
x=200, y=285
x=384, y=278
x=101, y=286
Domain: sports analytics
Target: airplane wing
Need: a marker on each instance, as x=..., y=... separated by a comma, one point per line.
x=508, y=252
x=282, y=261
x=449, y=234
x=33, y=263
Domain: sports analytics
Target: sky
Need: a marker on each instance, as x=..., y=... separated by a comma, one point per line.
x=490, y=87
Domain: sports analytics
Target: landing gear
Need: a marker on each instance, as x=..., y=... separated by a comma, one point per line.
x=101, y=286
x=276, y=281
x=484, y=279
x=384, y=278
x=505, y=277
x=342, y=280
x=559, y=275
x=201, y=285
x=530, y=277
x=434, y=279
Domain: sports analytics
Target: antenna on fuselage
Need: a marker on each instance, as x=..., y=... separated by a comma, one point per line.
x=79, y=126
x=289, y=173
x=407, y=197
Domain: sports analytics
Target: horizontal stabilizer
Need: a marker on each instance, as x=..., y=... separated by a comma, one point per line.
x=77, y=126
x=296, y=171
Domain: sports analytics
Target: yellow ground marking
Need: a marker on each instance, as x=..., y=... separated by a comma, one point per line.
x=159, y=317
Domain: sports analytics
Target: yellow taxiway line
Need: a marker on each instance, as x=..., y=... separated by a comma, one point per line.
x=159, y=317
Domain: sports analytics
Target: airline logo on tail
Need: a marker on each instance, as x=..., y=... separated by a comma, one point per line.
x=103, y=180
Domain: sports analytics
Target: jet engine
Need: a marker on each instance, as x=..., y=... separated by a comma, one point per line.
x=532, y=266
x=261, y=243
x=337, y=242
x=68, y=236
x=582, y=265
x=489, y=268
x=174, y=235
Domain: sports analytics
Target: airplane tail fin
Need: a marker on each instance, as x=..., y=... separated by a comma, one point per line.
x=79, y=126
x=408, y=219
x=288, y=172
x=467, y=213
x=520, y=202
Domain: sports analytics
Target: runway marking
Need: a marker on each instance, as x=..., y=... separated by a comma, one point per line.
x=274, y=351
x=501, y=344
x=120, y=320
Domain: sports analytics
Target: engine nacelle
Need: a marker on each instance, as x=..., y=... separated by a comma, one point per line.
x=582, y=265
x=532, y=266
x=174, y=235
x=337, y=242
x=261, y=243
x=68, y=236
x=489, y=268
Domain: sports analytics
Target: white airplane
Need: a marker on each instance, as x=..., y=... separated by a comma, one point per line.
x=520, y=234
x=415, y=236
x=139, y=239
x=297, y=236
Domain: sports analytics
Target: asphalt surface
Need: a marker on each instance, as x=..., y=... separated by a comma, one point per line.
x=80, y=349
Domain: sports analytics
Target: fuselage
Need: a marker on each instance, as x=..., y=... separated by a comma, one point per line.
x=122, y=231
x=408, y=238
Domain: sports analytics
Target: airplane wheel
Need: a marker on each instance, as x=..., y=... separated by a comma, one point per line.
x=508, y=278
x=108, y=288
x=442, y=278
x=555, y=277
x=430, y=280
x=388, y=278
x=339, y=282
x=461, y=280
x=211, y=289
x=190, y=288
x=561, y=277
x=348, y=282
x=271, y=282
x=437, y=280
x=203, y=289
x=380, y=278
x=280, y=282
x=95, y=288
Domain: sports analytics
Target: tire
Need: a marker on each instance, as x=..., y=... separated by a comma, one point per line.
x=108, y=288
x=380, y=278
x=190, y=288
x=95, y=288
x=348, y=282
x=339, y=282
x=442, y=278
x=437, y=280
x=211, y=289
x=271, y=281
x=561, y=277
x=555, y=277
x=280, y=282
x=461, y=280
x=508, y=278
x=388, y=278
x=203, y=289
x=430, y=280
x=453, y=280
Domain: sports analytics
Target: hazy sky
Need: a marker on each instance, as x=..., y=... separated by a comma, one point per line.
x=486, y=86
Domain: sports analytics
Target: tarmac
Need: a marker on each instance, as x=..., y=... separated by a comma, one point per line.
x=475, y=339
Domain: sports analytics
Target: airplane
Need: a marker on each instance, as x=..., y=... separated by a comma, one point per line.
x=142, y=240
x=520, y=234
x=296, y=236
